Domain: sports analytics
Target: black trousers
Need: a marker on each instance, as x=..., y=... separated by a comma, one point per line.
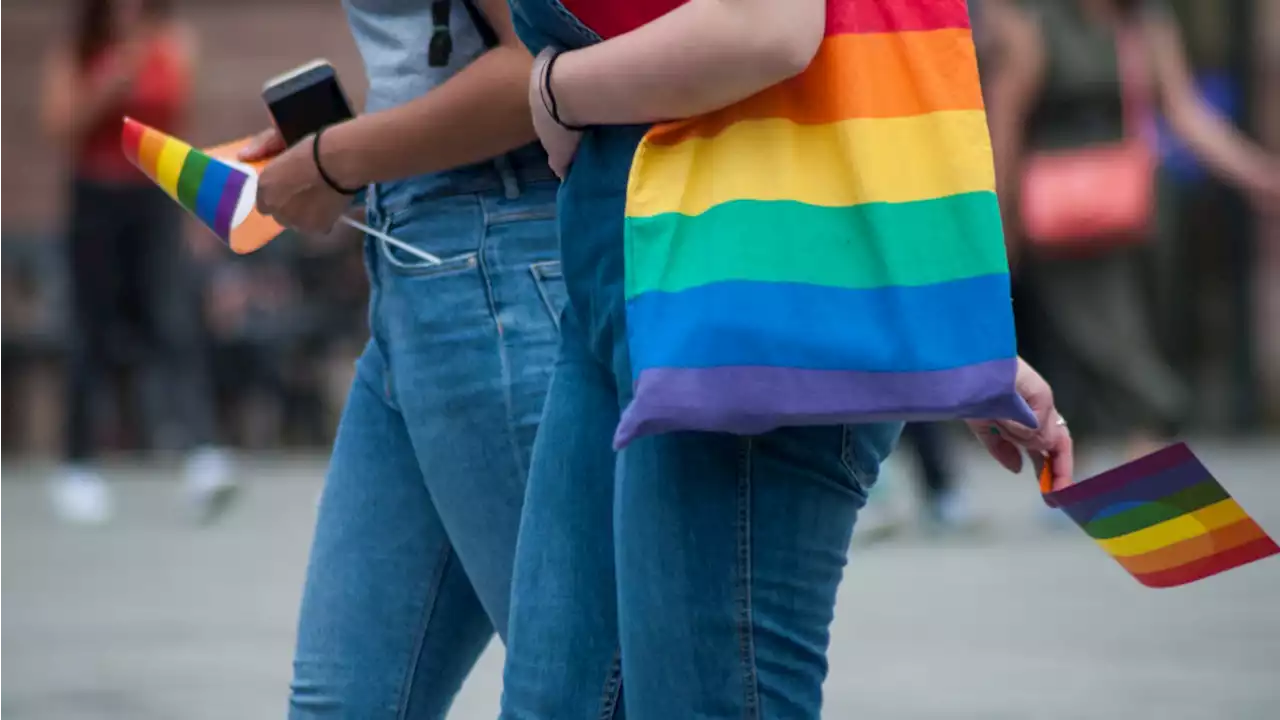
x=134, y=302
x=930, y=443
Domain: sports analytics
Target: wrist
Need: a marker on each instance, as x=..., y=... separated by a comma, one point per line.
x=325, y=163
x=564, y=91
x=557, y=73
x=337, y=154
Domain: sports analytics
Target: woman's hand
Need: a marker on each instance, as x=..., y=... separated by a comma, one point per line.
x=1006, y=440
x=560, y=142
x=291, y=190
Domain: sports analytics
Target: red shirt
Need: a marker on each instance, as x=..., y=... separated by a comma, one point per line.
x=609, y=18
x=158, y=98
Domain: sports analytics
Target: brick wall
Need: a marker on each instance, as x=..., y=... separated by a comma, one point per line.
x=242, y=44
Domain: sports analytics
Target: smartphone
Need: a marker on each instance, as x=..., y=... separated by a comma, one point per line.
x=306, y=99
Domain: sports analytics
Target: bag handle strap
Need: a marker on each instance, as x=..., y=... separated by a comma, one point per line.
x=1137, y=94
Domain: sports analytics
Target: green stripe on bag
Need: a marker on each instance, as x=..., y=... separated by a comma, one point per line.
x=864, y=246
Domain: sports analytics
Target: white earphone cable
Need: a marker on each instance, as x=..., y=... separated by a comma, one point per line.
x=422, y=254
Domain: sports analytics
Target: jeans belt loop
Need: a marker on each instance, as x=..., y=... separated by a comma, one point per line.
x=510, y=183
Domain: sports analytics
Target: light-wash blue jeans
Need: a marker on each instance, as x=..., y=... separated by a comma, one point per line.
x=411, y=563
x=691, y=575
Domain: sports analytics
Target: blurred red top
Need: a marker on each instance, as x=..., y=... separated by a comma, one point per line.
x=158, y=99
x=610, y=18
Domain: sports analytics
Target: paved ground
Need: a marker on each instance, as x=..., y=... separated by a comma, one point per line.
x=152, y=619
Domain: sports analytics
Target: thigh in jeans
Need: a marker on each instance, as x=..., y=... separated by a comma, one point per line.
x=472, y=346
x=459, y=368
x=390, y=624
x=729, y=553
x=562, y=650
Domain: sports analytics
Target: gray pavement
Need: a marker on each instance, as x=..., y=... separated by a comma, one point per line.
x=151, y=618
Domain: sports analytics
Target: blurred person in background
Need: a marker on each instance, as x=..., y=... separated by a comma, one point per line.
x=410, y=568
x=1056, y=86
x=132, y=300
x=945, y=505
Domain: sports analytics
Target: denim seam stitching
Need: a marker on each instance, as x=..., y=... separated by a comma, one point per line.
x=503, y=360
x=428, y=613
x=539, y=282
x=376, y=332
x=612, y=684
x=525, y=215
x=746, y=644
x=848, y=460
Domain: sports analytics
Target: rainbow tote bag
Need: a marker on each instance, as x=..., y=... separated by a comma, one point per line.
x=829, y=250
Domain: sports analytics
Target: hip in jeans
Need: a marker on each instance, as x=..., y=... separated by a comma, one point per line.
x=410, y=569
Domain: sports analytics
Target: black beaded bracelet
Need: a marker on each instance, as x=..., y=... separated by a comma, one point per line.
x=549, y=96
x=328, y=180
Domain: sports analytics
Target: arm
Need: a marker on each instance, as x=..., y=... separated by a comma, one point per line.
x=700, y=57
x=1207, y=134
x=1014, y=84
x=481, y=112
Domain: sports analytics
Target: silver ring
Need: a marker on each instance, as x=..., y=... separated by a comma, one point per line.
x=1061, y=421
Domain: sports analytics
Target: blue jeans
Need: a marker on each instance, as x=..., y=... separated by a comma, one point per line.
x=411, y=563
x=692, y=575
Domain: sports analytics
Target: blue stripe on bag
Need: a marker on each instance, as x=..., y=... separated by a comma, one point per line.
x=893, y=329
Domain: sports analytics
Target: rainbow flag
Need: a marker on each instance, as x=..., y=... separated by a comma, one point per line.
x=1165, y=519
x=829, y=250
x=210, y=185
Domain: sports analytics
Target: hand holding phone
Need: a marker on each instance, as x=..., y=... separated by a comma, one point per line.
x=303, y=101
x=300, y=101
x=306, y=99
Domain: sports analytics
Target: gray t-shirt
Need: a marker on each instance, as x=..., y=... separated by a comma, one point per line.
x=394, y=36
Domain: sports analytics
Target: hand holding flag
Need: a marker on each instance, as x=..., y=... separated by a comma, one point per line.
x=1005, y=440
x=212, y=185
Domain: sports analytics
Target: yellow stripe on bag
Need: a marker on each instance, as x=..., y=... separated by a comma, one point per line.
x=834, y=165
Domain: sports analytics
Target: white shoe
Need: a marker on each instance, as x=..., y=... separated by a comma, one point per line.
x=951, y=512
x=209, y=485
x=81, y=497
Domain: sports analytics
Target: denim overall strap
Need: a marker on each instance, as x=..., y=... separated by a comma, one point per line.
x=540, y=23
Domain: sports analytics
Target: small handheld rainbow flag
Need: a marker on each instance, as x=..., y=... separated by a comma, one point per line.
x=1165, y=519
x=211, y=185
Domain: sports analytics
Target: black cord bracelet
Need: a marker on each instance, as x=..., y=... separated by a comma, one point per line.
x=549, y=96
x=328, y=180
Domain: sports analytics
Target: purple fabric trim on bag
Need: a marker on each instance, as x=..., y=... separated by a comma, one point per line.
x=754, y=400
